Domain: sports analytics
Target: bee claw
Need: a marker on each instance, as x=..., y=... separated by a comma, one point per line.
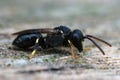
x=75, y=57
x=30, y=56
x=86, y=49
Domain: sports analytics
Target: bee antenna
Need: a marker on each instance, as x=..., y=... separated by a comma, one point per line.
x=90, y=36
x=95, y=44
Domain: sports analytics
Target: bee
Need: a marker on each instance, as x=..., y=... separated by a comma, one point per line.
x=55, y=37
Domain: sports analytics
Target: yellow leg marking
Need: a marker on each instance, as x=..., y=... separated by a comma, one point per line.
x=34, y=51
x=32, y=54
x=37, y=40
x=71, y=49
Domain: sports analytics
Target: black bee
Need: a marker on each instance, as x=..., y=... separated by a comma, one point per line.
x=56, y=37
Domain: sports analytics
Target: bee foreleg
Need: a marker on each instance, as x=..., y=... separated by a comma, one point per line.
x=71, y=50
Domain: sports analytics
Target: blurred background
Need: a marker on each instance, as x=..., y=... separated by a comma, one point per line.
x=85, y=15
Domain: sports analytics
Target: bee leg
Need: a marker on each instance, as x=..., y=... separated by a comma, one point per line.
x=35, y=49
x=86, y=49
x=71, y=50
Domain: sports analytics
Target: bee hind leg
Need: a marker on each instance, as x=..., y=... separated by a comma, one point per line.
x=36, y=46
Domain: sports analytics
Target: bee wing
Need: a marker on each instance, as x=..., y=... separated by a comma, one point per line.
x=44, y=30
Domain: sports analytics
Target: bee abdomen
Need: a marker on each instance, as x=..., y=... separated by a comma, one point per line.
x=26, y=40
